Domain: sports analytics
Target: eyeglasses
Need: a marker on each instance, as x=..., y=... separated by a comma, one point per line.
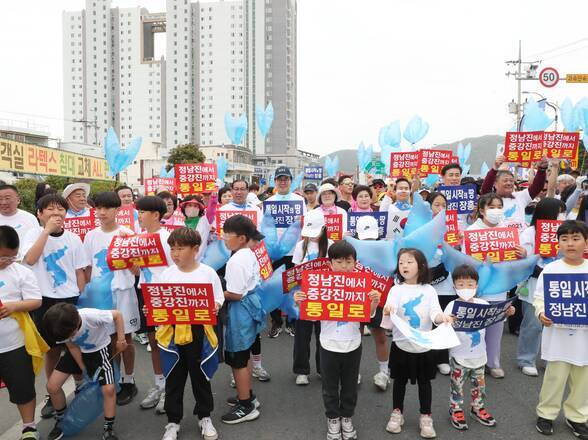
x=347, y=182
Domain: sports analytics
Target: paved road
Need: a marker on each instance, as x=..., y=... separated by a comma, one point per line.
x=296, y=413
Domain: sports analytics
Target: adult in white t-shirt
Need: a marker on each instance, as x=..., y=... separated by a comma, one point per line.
x=10, y=215
x=239, y=191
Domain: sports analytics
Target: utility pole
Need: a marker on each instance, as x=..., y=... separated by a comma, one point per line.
x=87, y=124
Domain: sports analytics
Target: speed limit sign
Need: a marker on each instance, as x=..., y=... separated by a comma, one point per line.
x=549, y=77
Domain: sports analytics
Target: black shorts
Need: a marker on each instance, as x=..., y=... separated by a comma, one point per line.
x=377, y=319
x=238, y=359
x=93, y=361
x=40, y=312
x=16, y=371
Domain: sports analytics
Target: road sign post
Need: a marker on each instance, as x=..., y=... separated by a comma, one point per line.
x=549, y=77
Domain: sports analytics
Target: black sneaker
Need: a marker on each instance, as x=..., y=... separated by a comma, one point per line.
x=47, y=411
x=544, y=426
x=275, y=331
x=240, y=413
x=56, y=433
x=233, y=401
x=580, y=430
x=108, y=434
x=126, y=393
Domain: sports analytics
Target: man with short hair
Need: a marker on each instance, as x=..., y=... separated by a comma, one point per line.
x=239, y=190
x=310, y=194
x=564, y=181
x=346, y=188
x=451, y=174
x=125, y=193
x=11, y=215
x=76, y=195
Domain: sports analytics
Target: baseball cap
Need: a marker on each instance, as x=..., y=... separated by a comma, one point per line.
x=367, y=227
x=257, y=236
x=379, y=182
x=283, y=171
x=314, y=221
x=310, y=187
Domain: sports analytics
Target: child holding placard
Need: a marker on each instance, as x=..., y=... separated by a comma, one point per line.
x=564, y=348
x=415, y=301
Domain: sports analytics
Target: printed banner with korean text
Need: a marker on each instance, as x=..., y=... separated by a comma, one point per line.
x=496, y=243
x=284, y=212
x=546, y=243
x=432, y=161
x=152, y=184
x=404, y=164
x=471, y=317
x=566, y=298
x=265, y=263
x=195, y=178
x=313, y=173
x=145, y=250
x=223, y=216
x=292, y=277
x=460, y=198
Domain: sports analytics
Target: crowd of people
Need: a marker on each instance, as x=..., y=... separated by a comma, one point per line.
x=44, y=268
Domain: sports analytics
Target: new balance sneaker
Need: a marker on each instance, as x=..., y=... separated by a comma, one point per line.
x=207, y=429
x=261, y=374
x=108, y=434
x=47, y=411
x=530, y=371
x=290, y=330
x=458, y=420
x=333, y=429
x=233, y=401
x=395, y=423
x=160, y=408
x=171, y=431
x=29, y=434
x=426, y=426
x=240, y=413
x=482, y=416
x=152, y=398
x=275, y=331
x=544, y=426
x=444, y=369
x=381, y=380
x=126, y=394
x=347, y=430
x=580, y=430
x=302, y=379
x=56, y=433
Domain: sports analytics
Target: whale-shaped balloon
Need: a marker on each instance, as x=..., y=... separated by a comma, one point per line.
x=236, y=127
x=98, y=293
x=390, y=135
x=264, y=118
x=118, y=159
x=415, y=130
x=216, y=254
x=534, y=118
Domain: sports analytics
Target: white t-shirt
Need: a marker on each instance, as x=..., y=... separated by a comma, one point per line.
x=340, y=337
x=418, y=305
x=471, y=352
x=56, y=267
x=21, y=221
x=202, y=274
x=253, y=199
x=83, y=213
x=514, y=208
x=312, y=251
x=153, y=274
x=558, y=343
x=292, y=197
x=94, y=333
x=242, y=272
x=96, y=246
x=17, y=283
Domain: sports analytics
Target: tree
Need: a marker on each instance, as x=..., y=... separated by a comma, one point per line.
x=57, y=182
x=26, y=190
x=188, y=153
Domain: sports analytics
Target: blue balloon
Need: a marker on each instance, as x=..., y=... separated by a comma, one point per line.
x=216, y=254
x=118, y=160
x=484, y=169
x=171, y=173
x=380, y=256
x=387, y=150
x=431, y=180
x=332, y=166
x=268, y=229
x=420, y=214
x=415, y=130
x=264, y=119
x=289, y=307
x=569, y=116
x=466, y=169
x=534, y=118
x=297, y=182
x=390, y=135
x=272, y=181
x=466, y=152
x=427, y=238
x=222, y=165
x=236, y=127
x=270, y=291
x=289, y=239
x=98, y=293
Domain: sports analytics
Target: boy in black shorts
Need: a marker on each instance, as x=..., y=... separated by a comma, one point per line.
x=19, y=294
x=86, y=333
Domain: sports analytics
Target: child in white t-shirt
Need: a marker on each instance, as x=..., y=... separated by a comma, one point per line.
x=19, y=294
x=468, y=360
x=124, y=298
x=564, y=348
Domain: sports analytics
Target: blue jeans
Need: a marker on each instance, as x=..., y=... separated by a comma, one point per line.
x=529, y=342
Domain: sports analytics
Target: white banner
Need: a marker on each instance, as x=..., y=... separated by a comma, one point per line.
x=441, y=338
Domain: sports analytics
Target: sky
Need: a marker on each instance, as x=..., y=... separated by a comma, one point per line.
x=361, y=64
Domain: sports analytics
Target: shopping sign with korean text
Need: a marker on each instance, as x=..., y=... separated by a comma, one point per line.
x=498, y=244
x=381, y=217
x=451, y=236
x=471, y=317
x=265, y=263
x=292, y=277
x=546, y=243
x=336, y=296
x=313, y=173
x=566, y=298
x=460, y=198
x=432, y=161
x=223, y=216
x=152, y=184
x=527, y=147
x=179, y=303
x=380, y=283
x=195, y=178
x=284, y=212
x=81, y=225
x=126, y=217
x=145, y=250
x=404, y=164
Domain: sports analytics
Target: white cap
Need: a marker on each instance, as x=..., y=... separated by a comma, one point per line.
x=367, y=227
x=327, y=187
x=74, y=187
x=314, y=221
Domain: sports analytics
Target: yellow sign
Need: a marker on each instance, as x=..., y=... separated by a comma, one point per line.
x=577, y=78
x=33, y=159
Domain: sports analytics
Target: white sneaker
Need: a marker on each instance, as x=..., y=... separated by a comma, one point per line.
x=426, y=425
x=333, y=429
x=381, y=380
x=207, y=429
x=302, y=379
x=152, y=398
x=444, y=369
x=395, y=423
x=497, y=373
x=233, y=385
x=366, y=330
x=171, y=431
x=261, y=374
x=347, y=430
x=358, y=378
x=160, y=408
x=149, y=348
x=530, y=371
